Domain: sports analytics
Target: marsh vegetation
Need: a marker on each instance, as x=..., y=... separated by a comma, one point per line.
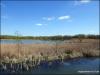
x=26, y=57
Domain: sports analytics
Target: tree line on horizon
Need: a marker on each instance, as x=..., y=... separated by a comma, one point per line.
x=58, y=37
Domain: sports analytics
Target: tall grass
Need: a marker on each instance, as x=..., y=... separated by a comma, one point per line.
x=25, y=57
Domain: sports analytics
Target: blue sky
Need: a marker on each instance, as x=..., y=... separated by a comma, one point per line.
x=43, y=18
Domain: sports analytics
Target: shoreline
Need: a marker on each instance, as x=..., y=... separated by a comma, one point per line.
x=31, y=55
x=27, y=67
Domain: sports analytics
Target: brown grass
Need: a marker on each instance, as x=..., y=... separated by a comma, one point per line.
x=86, y=47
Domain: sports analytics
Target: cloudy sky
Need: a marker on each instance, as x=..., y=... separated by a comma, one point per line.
x=43, y=18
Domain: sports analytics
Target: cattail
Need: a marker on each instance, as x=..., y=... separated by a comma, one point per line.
x=4, y=67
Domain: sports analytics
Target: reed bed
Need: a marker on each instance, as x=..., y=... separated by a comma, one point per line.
x=30, y=56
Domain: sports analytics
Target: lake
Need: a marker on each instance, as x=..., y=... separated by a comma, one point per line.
x=71, y=66
x=11, y=41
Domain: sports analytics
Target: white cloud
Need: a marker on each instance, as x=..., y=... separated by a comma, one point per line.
x=85, y=1
x=48, y=18
x=64, y=17
x=39, y=24
x=79, y=2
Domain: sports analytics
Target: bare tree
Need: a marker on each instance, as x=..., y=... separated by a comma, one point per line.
x=18, y=43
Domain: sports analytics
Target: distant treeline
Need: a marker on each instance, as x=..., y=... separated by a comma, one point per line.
x=59, y=37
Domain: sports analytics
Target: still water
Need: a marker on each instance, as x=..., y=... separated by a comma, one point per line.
x=26, y=41
x=76, y=66
x=72, y=66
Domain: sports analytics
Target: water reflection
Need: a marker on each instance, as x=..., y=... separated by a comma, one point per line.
x=69, y=66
